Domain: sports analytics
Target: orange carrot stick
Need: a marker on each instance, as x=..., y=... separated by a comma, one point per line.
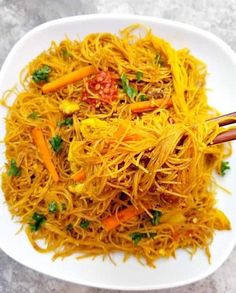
x=68, y=79
x=79, y=176
x=146, y=106
x=122, y=216
x=44, y=152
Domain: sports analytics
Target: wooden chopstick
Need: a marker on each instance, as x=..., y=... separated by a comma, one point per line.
x=225, y=122
x=225, y=136
x=228, y=135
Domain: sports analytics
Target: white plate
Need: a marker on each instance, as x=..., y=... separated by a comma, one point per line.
x=221, y=62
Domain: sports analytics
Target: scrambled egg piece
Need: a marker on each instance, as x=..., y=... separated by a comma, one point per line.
x=92, y=126
x=69, y=107
x=73, y=157
x=76, y=188
x=173, y=217
x=221, y=221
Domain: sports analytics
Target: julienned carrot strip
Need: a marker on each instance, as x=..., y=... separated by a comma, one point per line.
x=79, y=176
x=51, y=127
x=128, y=137
x=146, y=106
x=44, y=152
x=68, y=79
x=120, y=131
x=132, y=137
x=122, y=216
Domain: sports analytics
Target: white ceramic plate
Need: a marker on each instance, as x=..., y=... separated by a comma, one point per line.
x=221, y=62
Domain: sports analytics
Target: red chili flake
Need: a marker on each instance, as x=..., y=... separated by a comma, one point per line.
x=176, y=236
x=170, y=199
x=171, y=120
x=104, y=87
x=189, y=233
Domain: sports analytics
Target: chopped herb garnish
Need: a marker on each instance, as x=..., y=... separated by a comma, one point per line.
x=41, y=74
x=67, y=122
x=69, y=227
x=224, y=167
x=124, y=81
x=143, y=98
x=158, y=60
x=137, y=236
x=13, y=169
x=84, y=224
x=53, y=207
x=56, y=143
x=63, y=206
x=129, y=90
x=34, y=115
x=38, y=220
x=156, y=217
x=139, y=75
x=66, y=54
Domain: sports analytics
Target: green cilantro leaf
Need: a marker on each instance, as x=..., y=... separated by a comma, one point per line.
x=13, y=169
x=224, y=167
x=137, y=236
x=37, y=221
x=69, y=227
x=84, y=224
x=63, y=206
x=124, y=81
x=67, y=122
x=156, y=217
x=139, y=75
x=158, y=60
x=143, y=98
x=34, y=115
x=41, y=74
x=53, y=207
x=66, y=54
x=129, y=90
x=56, y=143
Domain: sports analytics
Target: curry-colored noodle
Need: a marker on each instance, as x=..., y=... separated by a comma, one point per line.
x=129, y=143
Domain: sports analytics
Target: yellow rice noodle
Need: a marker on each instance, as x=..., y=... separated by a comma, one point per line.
x=162, y=160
